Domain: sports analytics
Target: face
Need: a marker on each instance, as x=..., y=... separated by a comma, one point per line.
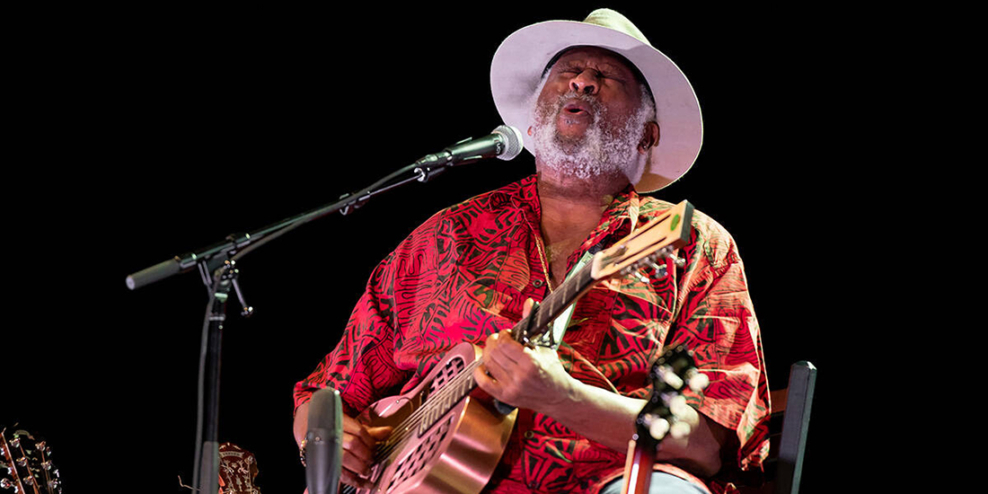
x=590, y=74
x=589, y=119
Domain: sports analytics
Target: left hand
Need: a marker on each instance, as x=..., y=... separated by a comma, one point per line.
x=523, y=377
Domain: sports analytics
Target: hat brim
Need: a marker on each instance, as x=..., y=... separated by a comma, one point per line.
x=517, y=69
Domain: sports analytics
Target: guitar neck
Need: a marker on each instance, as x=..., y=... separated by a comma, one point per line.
x=638, y=471
x=463, y=384
x=556, y=303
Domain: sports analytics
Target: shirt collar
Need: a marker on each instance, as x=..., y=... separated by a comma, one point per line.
x=625, y=207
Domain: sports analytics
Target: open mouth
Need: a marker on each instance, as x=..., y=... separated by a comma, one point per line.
x=576, y=109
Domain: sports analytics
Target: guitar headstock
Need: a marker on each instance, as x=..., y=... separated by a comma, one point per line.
x=25, y=464
x=657, y=239
x=238, y=469
x=670, y=375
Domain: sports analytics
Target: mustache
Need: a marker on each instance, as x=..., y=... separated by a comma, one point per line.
x=552, y=109
x=592, y=100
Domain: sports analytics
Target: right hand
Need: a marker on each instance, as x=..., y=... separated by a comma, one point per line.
x=359, y=441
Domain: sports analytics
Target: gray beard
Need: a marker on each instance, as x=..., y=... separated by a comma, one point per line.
x=601, y=151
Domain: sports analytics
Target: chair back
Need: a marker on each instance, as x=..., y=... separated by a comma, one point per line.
x=788, y=427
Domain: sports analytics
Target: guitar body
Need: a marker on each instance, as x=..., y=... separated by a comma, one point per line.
x=457, y=454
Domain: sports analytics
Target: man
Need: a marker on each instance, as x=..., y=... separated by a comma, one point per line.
x=606, y=114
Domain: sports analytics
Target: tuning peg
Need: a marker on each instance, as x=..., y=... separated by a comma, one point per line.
x=641, y=277
x=660, y=269
x=15, y=442
x=21, y=462
x=657, y=427
x=7, y=484
x=679, y=430
x=696, y=380
x=669, y=377
x=678, y=407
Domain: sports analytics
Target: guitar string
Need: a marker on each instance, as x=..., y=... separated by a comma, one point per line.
x=657, y=383
x=30, y=474
x=447, y=391
x=397, y=442
x=453, y=387
x=413, y=421
x=393, y=443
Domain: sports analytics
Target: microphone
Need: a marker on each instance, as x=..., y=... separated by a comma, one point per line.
x=324, y=442
x=505, y=142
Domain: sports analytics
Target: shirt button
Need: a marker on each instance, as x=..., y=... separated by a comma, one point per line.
x=537, y=283
x=533, y=485
x=529, y=434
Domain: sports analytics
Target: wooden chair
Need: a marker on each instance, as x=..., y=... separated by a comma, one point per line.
x=788, y=427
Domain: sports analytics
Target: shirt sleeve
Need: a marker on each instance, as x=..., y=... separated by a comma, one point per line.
x=717, y=320
x=361, y=366
x=364, y=366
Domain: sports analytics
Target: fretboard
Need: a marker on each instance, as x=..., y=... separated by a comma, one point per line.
x=529, y=328
x=554, y=305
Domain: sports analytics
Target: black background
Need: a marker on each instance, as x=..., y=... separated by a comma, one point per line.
x=141, y=134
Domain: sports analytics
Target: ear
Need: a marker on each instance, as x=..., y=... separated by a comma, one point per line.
x=650, y=138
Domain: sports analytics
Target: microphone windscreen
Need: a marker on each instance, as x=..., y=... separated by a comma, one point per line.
x=514, y=142
x=324, y=442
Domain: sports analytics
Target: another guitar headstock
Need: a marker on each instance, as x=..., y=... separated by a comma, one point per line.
x=670, y=375
x=25, y=464
x=238, y=469
x=657, y=239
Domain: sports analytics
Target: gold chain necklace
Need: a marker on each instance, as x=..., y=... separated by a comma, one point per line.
x=542, y=256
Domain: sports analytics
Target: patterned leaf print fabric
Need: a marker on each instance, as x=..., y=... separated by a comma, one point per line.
x=465, y=273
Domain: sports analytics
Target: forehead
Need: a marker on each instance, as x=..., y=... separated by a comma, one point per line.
x=599, y=57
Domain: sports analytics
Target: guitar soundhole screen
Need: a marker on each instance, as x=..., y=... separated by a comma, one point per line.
x=423, y=453
x=450, y=370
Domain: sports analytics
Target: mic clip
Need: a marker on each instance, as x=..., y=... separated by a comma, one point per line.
x=426, y=173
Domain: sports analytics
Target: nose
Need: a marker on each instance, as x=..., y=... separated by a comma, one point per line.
x=585, y=82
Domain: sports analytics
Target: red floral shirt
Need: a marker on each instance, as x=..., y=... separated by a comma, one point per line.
x=464, y=274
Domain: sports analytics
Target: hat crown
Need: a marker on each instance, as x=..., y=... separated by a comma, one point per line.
x=614, y=20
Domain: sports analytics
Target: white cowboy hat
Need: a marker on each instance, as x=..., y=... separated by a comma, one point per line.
x=521, y=58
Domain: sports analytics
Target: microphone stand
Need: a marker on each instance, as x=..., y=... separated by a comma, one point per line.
x=217, y=265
